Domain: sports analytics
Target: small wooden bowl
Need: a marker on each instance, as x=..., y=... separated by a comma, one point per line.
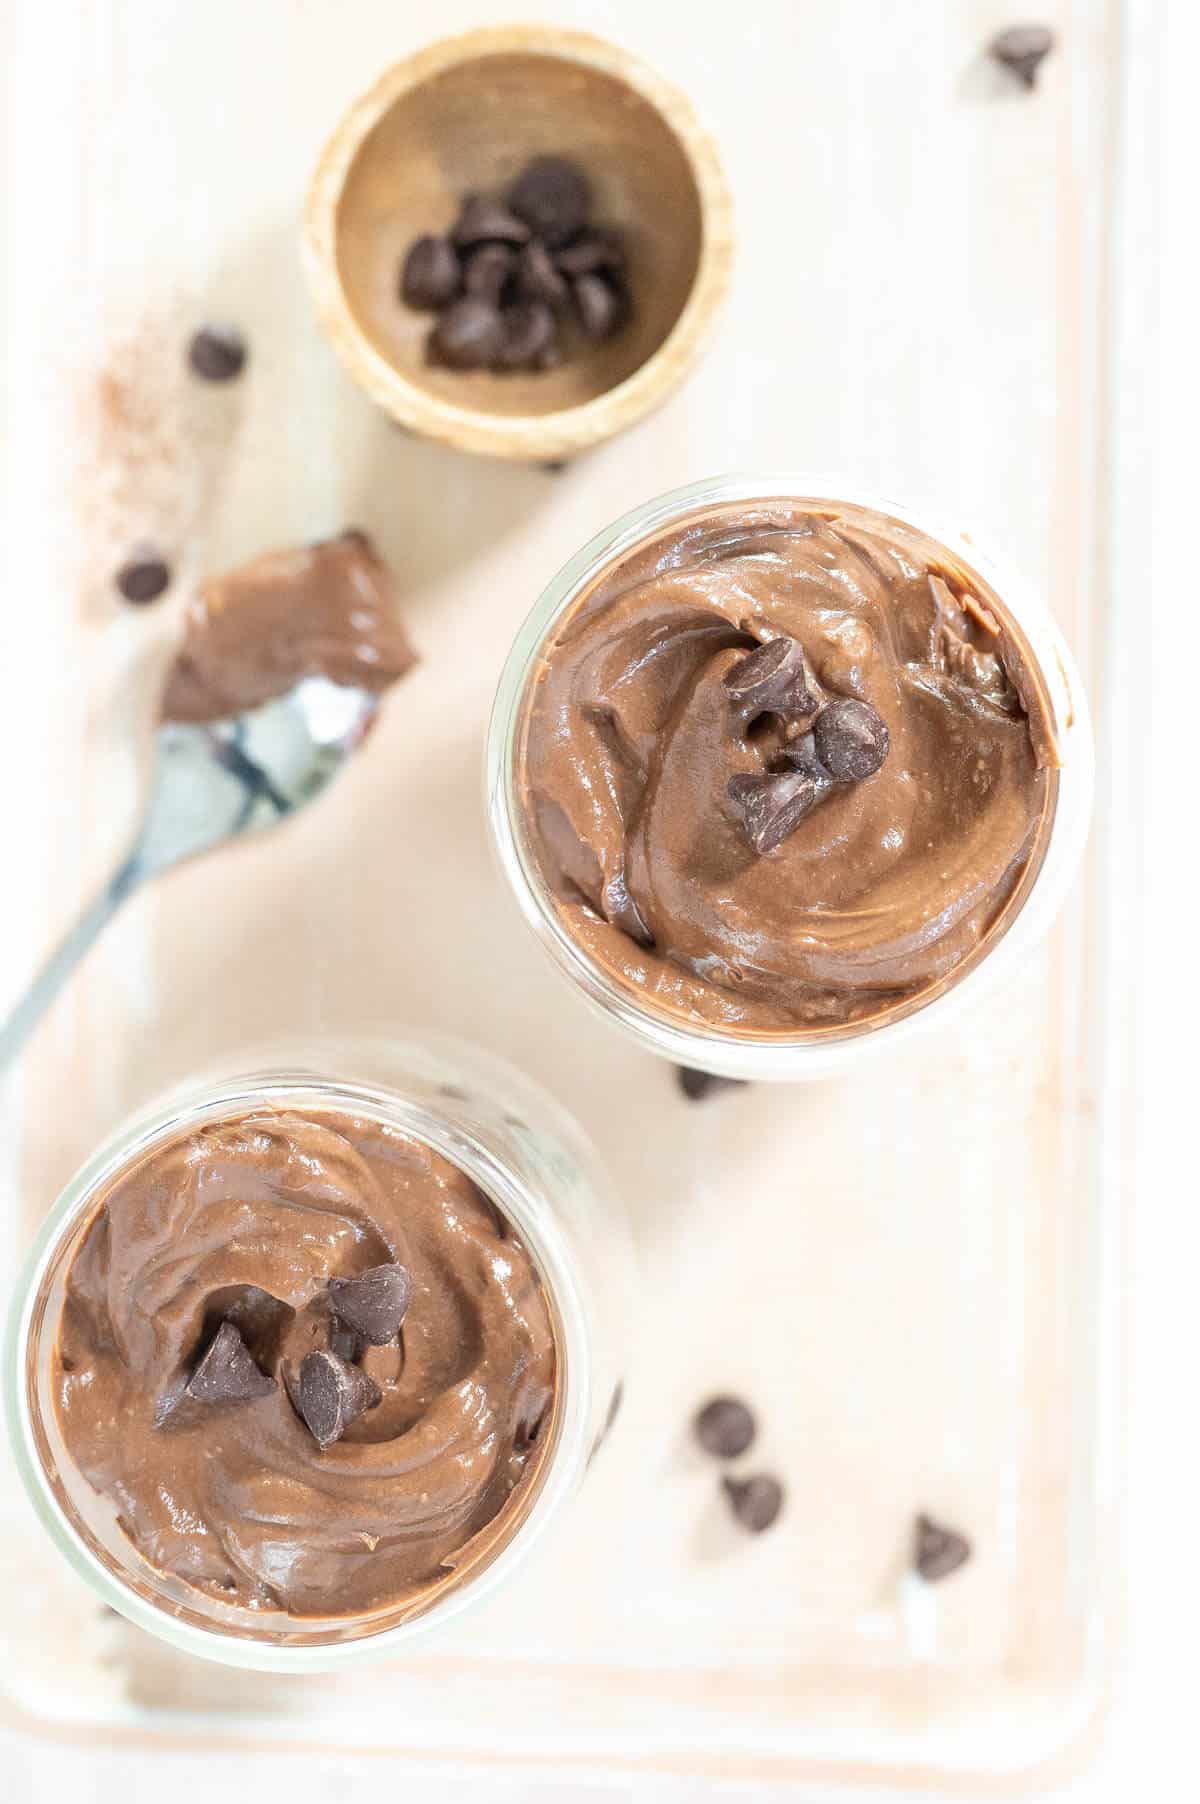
x=466, y=114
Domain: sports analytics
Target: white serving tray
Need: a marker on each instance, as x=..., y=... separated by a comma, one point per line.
x=910, y=1275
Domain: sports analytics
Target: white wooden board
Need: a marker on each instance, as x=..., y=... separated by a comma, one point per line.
x=919, y=298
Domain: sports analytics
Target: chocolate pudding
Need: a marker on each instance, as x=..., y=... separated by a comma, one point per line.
x=327, y=609
x=787, y=768
x=309, y=1363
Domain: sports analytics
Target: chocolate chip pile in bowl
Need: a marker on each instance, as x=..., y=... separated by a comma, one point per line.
x=522, y=279
x=556, y=184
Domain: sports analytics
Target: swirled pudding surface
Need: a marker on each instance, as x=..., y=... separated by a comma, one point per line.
x=638, y=752
x=247, y=1230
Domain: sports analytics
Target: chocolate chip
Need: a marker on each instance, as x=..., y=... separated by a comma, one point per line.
x=696, y=1085
x=772, y=806
x=553, y=196
x=599, y=306
x=343, y=1341
x=217, y=353
x=330, y=1394
x=725, y=1427
x=851, y=740
x=937, y=1550
x=550, y=359
x=801, y=754
x=374, y=1303
x=226, y=1373
x=469, y=334
x=1023, y=49
x=529, y=328
x=600, y=248
x=773, y=680
x=482, y=220
x=143, y=578
x=539, y=276
x=488, y=269
x=430, y=275
x=755, y=1502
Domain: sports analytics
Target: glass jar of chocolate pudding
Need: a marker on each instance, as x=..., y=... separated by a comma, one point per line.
x=308, y=1358
x=779, y=777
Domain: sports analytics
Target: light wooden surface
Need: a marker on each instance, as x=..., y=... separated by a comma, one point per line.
x=926, y=316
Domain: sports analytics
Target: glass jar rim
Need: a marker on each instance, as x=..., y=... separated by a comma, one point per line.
x=189, y=1106
x=782, y=1057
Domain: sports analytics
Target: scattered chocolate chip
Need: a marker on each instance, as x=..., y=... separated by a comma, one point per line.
x=539, y=276
x=772, y=806
x=755, y=1502
x=938, y=1551
x=226, y=1373
x=330, y=1394
x=696, y=1085
x=488, y=270
x=553, y=196
x=725, y=1427
x=430, y=275
x=217, y=353
x=482, y=220
x=143, y=578
x=1023, y=49
x=374, y=1303
x=468, y=336
x=529, y=328
x=773, y=680
x=851, y=740
x=551, y=357
x=599, y=248
x=598, y=305
x=555, y=466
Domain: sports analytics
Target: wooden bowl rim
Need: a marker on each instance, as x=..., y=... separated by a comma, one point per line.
x=526, y=436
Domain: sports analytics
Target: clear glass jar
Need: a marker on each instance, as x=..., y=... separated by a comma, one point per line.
x=825, y=1052
x=521, y=1149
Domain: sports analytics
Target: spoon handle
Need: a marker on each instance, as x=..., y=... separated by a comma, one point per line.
x=62, y=961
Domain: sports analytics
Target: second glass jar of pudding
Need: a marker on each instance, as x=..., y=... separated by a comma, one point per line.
x=311, y=1355
x=779, y=776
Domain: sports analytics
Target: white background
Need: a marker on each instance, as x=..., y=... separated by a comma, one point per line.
x=1149, y=1743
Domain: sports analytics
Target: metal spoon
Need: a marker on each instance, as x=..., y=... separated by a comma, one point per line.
x=213, y=782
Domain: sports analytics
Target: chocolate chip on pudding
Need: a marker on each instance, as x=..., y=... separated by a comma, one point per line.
x=285, y=1336
x=330, y=1393
x=785, y=768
